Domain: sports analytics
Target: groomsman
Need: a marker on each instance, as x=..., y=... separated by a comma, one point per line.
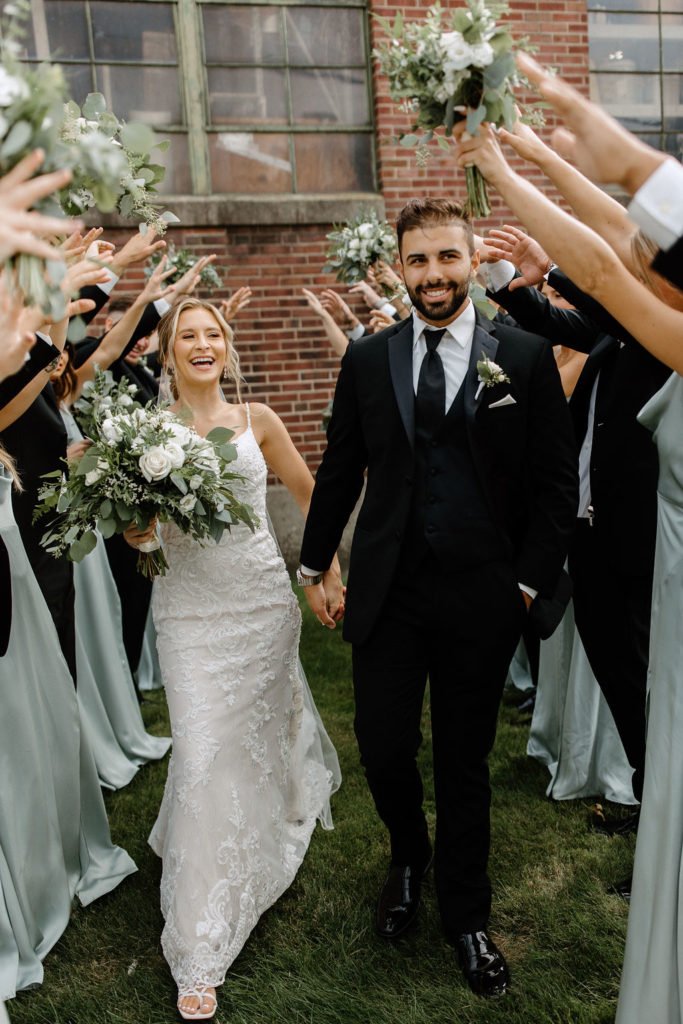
x=471, y=496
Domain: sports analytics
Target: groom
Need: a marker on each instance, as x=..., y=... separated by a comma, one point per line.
x=470, y=501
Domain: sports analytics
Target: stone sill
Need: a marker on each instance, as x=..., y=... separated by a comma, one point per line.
x=262, y=210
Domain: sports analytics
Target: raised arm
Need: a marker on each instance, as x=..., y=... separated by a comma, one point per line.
x=335, y=335
x=587, y=259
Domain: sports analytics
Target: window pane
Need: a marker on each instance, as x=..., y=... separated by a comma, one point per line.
x=333, y=163
x=142, y=32
x=632, y=99
x=329, y=97
x=316, y=36
x=79, y=81
x=242, y=162
x=672, y=42
x=141, y=94
x=673, y=102
x=243, y=35
x=626, y=42
x=626, y=5
x=674, y=144
x=55, y=28
x=246, y=95
x=176, y=160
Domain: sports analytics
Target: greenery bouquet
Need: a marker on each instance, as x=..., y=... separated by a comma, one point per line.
x=144, y=464
x=357, y=245
x=182, y=260
x=441, y=74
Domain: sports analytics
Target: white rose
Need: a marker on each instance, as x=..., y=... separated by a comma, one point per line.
x=96, y=474
x=126, y=401
x=457, y=53
x=195, y=482
x=155, y=463
x=11, y=88
x=175, y=454
x=187, y=503
x=482, y=55
x=111, y=431
x=354, y=245
x=105, y=402
x=365, y=230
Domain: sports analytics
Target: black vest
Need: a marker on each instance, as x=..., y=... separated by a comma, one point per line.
x=449, y=515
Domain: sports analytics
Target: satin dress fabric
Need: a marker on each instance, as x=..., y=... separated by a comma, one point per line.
x=54, y=834
x=652, y=980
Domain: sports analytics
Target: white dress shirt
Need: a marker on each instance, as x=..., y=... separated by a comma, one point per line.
x=454, y=349
x=657, y=206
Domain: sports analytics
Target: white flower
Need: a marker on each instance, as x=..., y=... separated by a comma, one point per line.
x=11, y=88
x=155, y=463
x=457, y=53
x=105, y=402
x=187, y=503
x=482, y=55
x=111, y=431
x=195, y=482
x=175, y=454
x=184, y=435
x=126, y=401
x=96, y=474
x=365, y=230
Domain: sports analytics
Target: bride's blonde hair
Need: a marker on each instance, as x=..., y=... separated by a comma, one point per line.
x=168, y=328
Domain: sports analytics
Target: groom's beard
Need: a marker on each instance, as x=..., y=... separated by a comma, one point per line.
x=442, y=310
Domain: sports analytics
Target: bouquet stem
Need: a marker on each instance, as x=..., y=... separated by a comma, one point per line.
x=152, y=563
x=477, y=195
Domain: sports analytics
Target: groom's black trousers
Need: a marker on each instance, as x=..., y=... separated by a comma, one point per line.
x=460, y=629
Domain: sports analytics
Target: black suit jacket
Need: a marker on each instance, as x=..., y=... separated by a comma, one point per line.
x=624, y=465
x=524, y=454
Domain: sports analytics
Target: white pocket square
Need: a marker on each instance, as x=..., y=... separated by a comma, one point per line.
x=508, y=400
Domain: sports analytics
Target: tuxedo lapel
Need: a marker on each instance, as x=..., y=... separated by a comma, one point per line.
x=484, y=343
x=400, y=347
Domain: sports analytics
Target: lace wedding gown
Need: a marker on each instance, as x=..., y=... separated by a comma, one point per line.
x=251, y=767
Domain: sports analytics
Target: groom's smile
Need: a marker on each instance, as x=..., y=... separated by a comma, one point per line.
x=437, y=270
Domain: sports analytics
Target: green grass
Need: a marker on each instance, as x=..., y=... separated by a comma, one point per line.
x=314, y=958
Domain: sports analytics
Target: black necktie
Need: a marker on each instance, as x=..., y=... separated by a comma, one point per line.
x=430, y=399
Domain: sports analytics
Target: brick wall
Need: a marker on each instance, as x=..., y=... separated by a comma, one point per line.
x=286, y=359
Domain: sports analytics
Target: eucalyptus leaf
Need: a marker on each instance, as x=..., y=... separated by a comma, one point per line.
x=137, y=138
x=408, y=140
x=82, y=547
x=76, y=330
x=18, y=138
x=107, y=527
x=95, y=104
x=220, y=435
x=180, y=483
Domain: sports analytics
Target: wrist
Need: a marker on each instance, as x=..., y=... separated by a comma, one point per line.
x=636, y=175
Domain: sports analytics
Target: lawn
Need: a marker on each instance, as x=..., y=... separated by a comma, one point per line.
x=314, y=958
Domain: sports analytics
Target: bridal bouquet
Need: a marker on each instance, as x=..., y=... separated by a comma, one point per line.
x=182, y=260
x=109, y=160
x=441, y=74
x=359, y=244
x=143, y=464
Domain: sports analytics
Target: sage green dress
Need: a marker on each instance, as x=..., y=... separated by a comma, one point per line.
x=54, y=833
x=652, y=981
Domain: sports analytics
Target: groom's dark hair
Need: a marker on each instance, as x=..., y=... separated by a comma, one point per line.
x=420, y=212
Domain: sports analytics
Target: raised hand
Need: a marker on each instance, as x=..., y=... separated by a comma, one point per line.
x=20, y=226
x=528, y=256
x=139, y=247
x=481, y=150
x=238, y=300
x=338, y=310
x=597, y=144
x=156, y=288
x=368, y=294
x=384, y=274
x=379, y=320
x=15, y=339
x=188, y=282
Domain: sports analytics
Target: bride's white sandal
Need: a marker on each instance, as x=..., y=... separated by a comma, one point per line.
x=203, y=995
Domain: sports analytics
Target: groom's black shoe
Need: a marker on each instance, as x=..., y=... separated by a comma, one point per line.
x=483, y=965
x=399, y=900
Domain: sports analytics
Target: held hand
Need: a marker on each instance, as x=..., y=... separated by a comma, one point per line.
x=77, y=450
x=481, y=150
x=597, y=144
x=135, y=537
x=529, y=258
x=384, y=274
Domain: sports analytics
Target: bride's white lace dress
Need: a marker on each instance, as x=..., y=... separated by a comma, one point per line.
x=252, y=767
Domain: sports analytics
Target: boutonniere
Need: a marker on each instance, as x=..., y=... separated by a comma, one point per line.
x=490, y=373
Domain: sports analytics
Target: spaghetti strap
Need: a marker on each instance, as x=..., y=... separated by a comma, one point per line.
x=246, y=406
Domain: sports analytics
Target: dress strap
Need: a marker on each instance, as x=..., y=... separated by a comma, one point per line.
x=246, y=406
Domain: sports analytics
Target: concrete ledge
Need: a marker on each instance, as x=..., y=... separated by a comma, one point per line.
x=253, y=211
x=289, y=527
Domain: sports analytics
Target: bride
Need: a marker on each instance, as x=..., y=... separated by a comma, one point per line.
x=252, y=767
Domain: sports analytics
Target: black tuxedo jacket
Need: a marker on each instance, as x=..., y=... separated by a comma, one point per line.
x=523, y=452
x=624, y=465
